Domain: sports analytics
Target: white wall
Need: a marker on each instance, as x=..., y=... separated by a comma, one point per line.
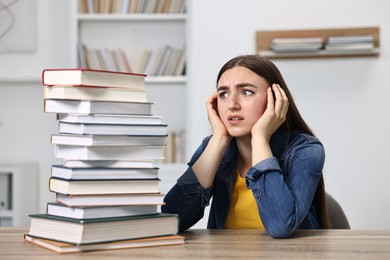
x=345, y=101
x=24, y=128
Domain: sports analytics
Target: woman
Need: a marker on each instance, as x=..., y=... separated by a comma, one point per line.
x=262, y=165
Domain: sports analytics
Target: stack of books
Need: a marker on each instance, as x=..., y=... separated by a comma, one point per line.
x=107, y=189
x=296, y=44
x=350, y=43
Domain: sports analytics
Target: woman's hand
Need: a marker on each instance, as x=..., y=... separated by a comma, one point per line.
x=213, y=116
x=274, y=115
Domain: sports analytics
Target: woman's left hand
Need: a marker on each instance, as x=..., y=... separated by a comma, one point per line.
x=274, y=115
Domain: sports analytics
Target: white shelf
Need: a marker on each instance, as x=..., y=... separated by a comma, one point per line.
x=134, y=33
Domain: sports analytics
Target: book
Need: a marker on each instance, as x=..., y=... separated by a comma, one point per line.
x=111, y=119
x=95, y=93
x=110, y=140
x=88, y=212
x=63, y=248
x=92, y=77
x=111, y=199
x=109, y=163
x=296, y=44
x=337, y=39
x=59, y=171
x=99, y=230
x=350, y=47
x=76, y=152
x=289, y=41
x=95, y=187
x=96, y=107
x=111, y=129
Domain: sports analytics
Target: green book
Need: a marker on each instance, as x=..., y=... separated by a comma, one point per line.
x=97, y=230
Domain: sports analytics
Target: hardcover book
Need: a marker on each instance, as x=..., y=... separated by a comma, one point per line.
x=88, y=212
x=88, y=231
x=111, y=119
x=103, y=173
x=96, y=107
x=63, y=248
x=76, y=152
x=119, y=129
x=91, y=187
x=95, y=93
x=111, y=199
x=90, y=77
x=109, y=140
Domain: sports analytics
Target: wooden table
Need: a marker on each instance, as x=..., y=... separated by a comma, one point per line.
x=226, y=244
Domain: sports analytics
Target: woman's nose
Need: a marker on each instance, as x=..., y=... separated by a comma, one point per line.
x=233, y=103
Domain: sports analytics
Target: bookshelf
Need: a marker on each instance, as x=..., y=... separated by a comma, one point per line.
x=135, y=32
x=264, y=40
x=18, y=193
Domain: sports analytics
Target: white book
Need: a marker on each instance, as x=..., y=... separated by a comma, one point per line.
x=111, y=119
x=103, y=173
x=95, y=93
x=90, y=187
x=86, y=212
x=350, y=39
x=96, y=107
x=296, y=40
x=111, y=129
x=74, y=152
x=111, y=199
x=109, y=140
x=110, y=163
x=90, y=77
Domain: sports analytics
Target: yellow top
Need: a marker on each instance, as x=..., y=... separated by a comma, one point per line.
x=243, y=212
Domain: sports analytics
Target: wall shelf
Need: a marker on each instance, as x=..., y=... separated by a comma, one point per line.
x=264, y=40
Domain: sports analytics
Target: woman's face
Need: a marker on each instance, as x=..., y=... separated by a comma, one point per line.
x=242, y=99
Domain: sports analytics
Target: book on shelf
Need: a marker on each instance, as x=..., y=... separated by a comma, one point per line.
x=101, y=173
x=95, y=187
x=110, y=163
x=111, y=129
x=95, y=93
x=63, y=248
x=91, y=77
x=340, y=39
x=110, y=140
x=131, y=7
x=76, y=152
x=88, y=212
x=96, y=107
x=350, y=47
x=291, y=41
x=111, y=199
x=296, y=44
x=111, y=119
x=99, y=230
x=143, y=61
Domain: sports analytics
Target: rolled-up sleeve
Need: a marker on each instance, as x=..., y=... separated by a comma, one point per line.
x=284, y=194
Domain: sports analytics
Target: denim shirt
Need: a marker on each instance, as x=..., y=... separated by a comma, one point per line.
x=283, y=186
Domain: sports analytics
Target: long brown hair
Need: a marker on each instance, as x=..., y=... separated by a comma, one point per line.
x=294, y=121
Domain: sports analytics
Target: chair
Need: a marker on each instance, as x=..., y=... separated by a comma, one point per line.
x=337, y=218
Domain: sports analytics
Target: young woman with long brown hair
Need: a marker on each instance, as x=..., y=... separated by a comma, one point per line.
x=262, y=165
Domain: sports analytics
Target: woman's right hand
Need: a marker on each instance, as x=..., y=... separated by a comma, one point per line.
x=212, y=112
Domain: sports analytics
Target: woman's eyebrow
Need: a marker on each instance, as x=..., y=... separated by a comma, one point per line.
x=239, y=85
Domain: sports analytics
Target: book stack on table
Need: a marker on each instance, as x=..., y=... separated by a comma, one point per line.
x=107, y=189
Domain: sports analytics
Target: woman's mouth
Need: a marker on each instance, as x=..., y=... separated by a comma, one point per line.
x=235, y=118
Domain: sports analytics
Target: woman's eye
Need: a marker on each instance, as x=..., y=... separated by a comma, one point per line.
x=222, y=95
x=247, y=92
